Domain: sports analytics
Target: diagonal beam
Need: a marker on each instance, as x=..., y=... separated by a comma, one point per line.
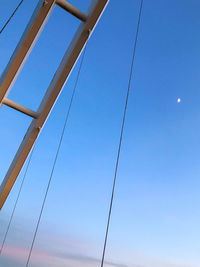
x=77, y=44
x=25, y=45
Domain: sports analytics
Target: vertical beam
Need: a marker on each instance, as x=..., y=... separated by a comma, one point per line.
x=77, y=44
x=25, y=45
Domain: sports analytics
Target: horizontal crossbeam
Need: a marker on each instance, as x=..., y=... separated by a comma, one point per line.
x=23, y=109
x=71, y=9
x=59, y=79
x=25, y=45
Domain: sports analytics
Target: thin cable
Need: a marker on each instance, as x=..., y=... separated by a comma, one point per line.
x=56, y=157
x=9, y=19
x=121, y=135
x=16, y=201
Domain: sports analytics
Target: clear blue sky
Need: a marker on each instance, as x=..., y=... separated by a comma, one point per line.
x=156, y=212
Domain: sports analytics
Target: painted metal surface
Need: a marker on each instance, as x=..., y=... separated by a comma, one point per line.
x=29, y=37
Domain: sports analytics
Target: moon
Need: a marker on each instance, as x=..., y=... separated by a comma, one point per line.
x=178, y=100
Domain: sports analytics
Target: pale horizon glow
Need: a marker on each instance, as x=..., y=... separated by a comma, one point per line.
x=155, y=218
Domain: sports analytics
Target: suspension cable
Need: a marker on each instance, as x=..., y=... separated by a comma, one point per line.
x=9, y=19
x=56, y=157
x=16, y=202
x=121, y=134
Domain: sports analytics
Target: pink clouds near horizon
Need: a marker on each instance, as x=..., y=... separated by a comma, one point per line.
x=20, y=255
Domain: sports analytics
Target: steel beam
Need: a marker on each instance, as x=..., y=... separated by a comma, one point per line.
x=22, y=109
x=77, y=44
x=71, y=9
x=25, y=45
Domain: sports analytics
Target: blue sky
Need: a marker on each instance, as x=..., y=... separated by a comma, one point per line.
x=155, y=220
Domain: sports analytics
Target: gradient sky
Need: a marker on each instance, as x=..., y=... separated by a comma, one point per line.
x=156, y=212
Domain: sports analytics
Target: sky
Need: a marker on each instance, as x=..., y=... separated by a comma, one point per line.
x=155, y=219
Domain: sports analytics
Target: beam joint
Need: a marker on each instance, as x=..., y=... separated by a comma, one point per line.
x=56, y=85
